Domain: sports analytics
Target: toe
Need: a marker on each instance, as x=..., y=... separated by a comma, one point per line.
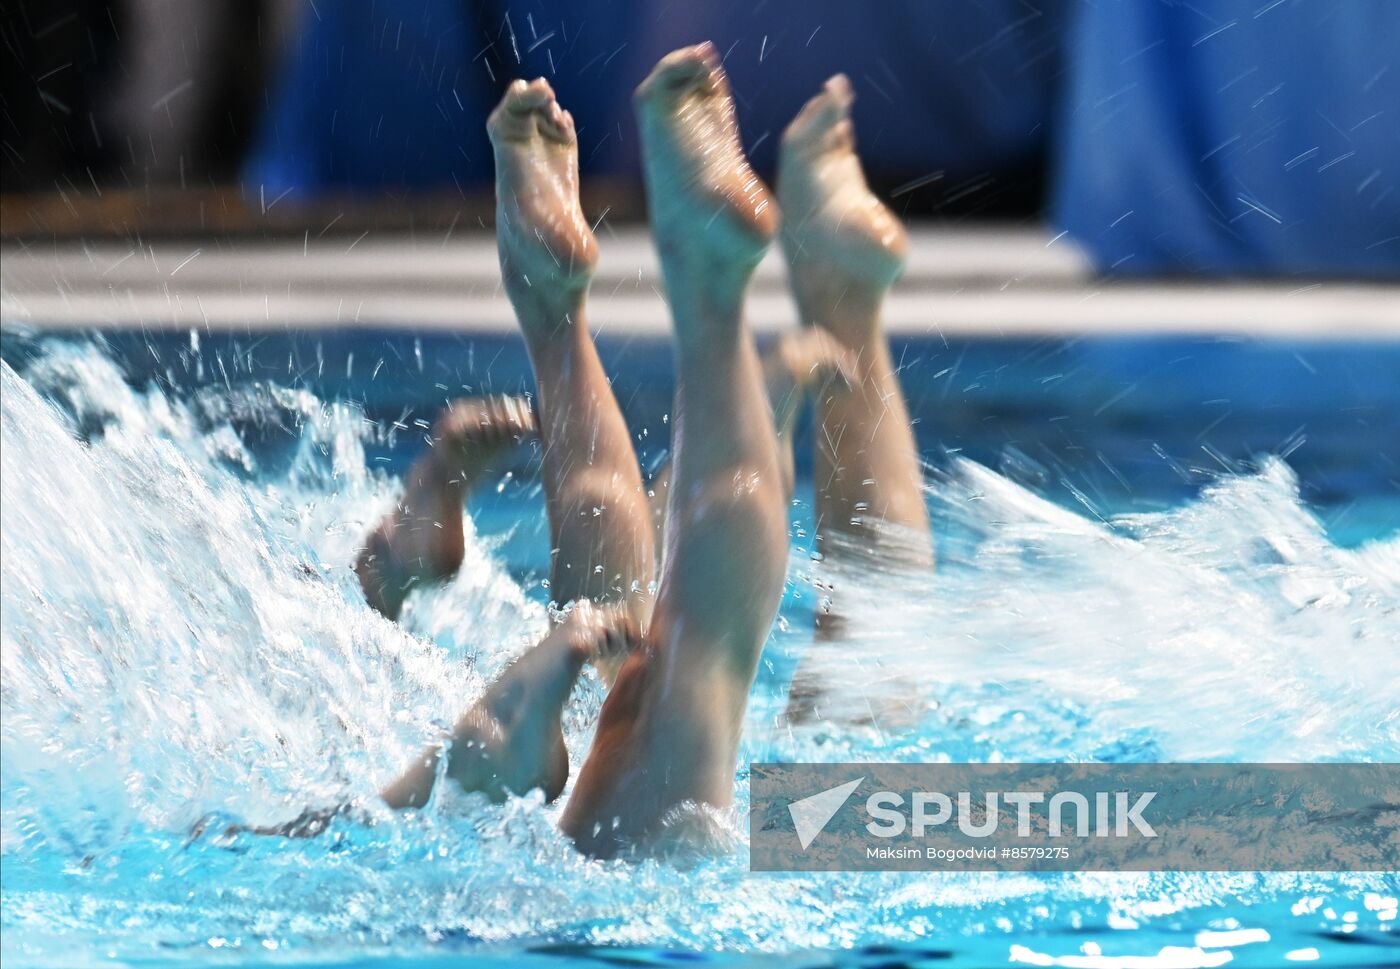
x=517, y=419
x=485, y=422
x=512, y=117
x=680, y=72
x=839, y=87
x=556, y=124
x=523, y=415
x=621, y=635
x=537, y=94
x=509, y=419
x=825, y=120
x=599, y=633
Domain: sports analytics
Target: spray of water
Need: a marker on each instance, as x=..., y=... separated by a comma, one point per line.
x=181, y=636
x=1230, y=629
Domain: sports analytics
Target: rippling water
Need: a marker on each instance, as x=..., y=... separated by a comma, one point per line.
x=182, y=637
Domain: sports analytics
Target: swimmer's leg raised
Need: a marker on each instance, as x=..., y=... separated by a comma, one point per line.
x=844, y=250
x=669, y=730
x=420, y=541
x=600, y=529
x=512, y=740
x=795, y=365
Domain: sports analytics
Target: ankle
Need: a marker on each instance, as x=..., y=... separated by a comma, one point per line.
x=549, y=340
x=545, y=310
x=852, y=318
x=705, y=302
x=553, y=331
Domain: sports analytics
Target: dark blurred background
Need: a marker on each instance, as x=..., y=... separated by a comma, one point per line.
x=1258, y=137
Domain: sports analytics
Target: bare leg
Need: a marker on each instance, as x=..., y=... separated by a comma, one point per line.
x=669, y=730
x=512, y=739
x=599, y=524
x=421, y=540
x=844, y=250
x=799, y=363
x=796, y=364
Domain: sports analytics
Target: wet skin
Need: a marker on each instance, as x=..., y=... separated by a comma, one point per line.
x=511, y=740
x=420, y=541
x=844, y=250
x=668, y=733
x=599, y=521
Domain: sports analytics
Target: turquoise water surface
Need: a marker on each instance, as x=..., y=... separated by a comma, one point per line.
x=1149, y=550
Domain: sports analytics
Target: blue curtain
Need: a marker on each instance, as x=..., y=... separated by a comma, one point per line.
x=382, y=93
x=1236, y=137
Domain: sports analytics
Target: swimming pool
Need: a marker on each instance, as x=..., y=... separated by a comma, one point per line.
x=1175, y=548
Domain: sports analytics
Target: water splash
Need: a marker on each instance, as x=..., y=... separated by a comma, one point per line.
x=181, y=636
x=1047, y=635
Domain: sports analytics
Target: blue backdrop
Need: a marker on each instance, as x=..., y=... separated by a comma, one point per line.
x=1237, y=136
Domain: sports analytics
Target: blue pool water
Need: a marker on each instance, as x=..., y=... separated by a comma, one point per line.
x=1150, y=549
